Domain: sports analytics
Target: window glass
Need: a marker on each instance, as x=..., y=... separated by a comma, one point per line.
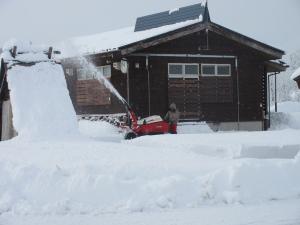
x=107, y=71
x=191, y=69
x=103, y=70
x=81, y=74
x=176, y=69
x=208, y=69
x=223, y=69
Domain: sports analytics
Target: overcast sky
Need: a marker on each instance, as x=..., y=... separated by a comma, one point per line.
x=275, y=22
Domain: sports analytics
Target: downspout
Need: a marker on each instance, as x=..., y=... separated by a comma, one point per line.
x=269, y=101
x=207, y=40
x=128, y=84
x=269, y=95
x=238, y=92
x=149, y=91
x=275, y=92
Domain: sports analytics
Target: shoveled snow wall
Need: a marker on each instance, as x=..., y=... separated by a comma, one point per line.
x=40, y=100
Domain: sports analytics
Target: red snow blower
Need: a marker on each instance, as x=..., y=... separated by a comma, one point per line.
x=152, y=125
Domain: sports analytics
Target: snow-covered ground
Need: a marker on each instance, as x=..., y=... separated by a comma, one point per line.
x=195, y=177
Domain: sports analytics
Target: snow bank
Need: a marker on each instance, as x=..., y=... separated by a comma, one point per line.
x=40, y=101
x=295, y=74
x=193, y=128
x=288, y=116
x=91, y=178
x=100, y=130
x=254, y=181
x=229, y=144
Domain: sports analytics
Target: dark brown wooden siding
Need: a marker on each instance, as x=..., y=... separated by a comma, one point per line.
x=92, y=97
x=209, y=98
x=92, y=93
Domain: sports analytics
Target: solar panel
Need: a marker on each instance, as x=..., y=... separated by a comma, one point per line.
x=169, y=17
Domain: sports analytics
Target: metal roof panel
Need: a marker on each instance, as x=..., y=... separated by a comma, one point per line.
x=170, y=17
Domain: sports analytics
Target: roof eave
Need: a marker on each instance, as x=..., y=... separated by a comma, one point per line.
x=272, y=52
x=267, y=49
x=275, y=67
x=168, y=36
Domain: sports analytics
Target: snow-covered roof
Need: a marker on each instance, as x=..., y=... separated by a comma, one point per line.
x=113, y=40
x=296, y=74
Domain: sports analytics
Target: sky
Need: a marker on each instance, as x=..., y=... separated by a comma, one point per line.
x=275, y=22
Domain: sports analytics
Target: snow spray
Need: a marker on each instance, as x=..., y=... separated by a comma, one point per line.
x=92, y=68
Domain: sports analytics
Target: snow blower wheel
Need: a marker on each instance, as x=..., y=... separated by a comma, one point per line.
x=130, y=136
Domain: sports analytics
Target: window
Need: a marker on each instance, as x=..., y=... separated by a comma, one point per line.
x=223, y=70
x=81, y=74
x=208, y=70
x=216, y=69
x=177, y=70
x=85, y=74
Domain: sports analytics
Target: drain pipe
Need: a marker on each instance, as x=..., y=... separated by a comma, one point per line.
x=128, y=82
x=269, y=95
x=149, y=91
x=238, y=92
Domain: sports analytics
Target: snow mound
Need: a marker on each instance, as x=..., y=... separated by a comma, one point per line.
x=288, y=116
x=40, y=100
x=193, y=128
x=254, y=181
x=100, y=130
x=149, y=181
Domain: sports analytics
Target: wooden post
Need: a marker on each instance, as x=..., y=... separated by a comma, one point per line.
x=275, y=92
x=14, y=52
x=50, y=52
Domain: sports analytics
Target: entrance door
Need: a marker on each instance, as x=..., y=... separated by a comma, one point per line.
x=183, y=89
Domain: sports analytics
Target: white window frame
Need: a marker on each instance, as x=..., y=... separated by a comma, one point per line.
x=216, y=70
x=106, y=66
x=93, y=76
x=78, y=72
x=183, y=75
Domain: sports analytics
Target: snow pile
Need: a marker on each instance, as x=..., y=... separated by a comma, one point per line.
x=254, y=181
x=268, y=144
x=40, y=100
x=93, y=178
x=100, y=130
x=288, y=116
x=193, y=128
x=296, y=74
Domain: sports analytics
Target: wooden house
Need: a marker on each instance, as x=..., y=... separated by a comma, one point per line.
x=212, y=73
